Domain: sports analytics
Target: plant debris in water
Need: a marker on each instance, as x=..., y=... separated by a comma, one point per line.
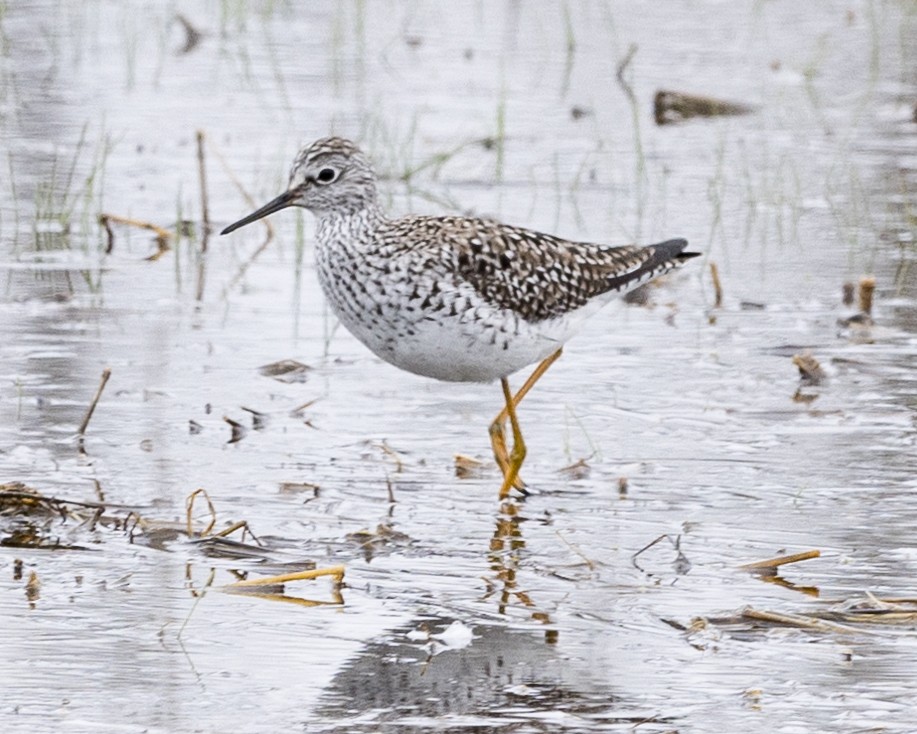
x=29, y=519
x=671, y=107
x=286, y=370
x=810, y=371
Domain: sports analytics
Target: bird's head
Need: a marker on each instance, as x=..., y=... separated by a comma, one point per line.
x=330, y=175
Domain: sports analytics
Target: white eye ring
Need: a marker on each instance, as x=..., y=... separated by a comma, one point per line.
x=326, y=176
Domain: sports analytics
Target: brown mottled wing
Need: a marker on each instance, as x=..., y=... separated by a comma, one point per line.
x=541, y=276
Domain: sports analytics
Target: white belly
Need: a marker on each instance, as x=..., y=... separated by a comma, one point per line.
x=450, y=351
x=478, y=345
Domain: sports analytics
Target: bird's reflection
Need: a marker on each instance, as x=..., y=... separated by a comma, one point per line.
x=505, y=554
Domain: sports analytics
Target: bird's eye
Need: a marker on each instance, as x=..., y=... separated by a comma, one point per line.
x=326, y=175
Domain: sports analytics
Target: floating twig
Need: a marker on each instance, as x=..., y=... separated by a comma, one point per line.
x=336, y=572
x=272, y=587
x=81, y=431
x=770, y=566
x=794, y=620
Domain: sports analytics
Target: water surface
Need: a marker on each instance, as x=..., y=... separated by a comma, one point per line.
x=691, y=419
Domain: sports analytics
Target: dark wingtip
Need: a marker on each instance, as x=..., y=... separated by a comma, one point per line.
x=674, y=249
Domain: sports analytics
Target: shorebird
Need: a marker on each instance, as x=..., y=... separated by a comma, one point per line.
x=454, y=298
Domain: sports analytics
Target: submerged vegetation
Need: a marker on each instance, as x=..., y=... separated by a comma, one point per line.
x=66, y=194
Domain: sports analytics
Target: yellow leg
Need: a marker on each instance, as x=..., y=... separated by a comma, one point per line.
x=498, y=434
x=517, y=455
x=498, y=443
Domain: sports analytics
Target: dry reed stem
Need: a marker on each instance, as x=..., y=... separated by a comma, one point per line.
x=867, y=290
x=189, y=507
x=202, y=175
x=81, y=431
x=717, y=286
x=394, y=455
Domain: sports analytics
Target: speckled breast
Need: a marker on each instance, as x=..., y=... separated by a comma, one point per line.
x=422, y=319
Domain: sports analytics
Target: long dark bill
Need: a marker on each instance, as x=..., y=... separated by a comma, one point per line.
x=275, y=205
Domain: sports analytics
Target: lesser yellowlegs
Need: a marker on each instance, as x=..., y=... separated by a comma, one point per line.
x=454, y=298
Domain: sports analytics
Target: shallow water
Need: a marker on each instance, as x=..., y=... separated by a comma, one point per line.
x=508, y=110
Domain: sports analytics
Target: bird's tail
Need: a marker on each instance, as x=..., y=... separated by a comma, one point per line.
x=661, y=258
x=672, y=250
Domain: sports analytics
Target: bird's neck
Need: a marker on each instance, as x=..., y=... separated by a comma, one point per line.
x=357, y=224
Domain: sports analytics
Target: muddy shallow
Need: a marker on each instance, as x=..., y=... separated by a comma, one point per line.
x=691, y=420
